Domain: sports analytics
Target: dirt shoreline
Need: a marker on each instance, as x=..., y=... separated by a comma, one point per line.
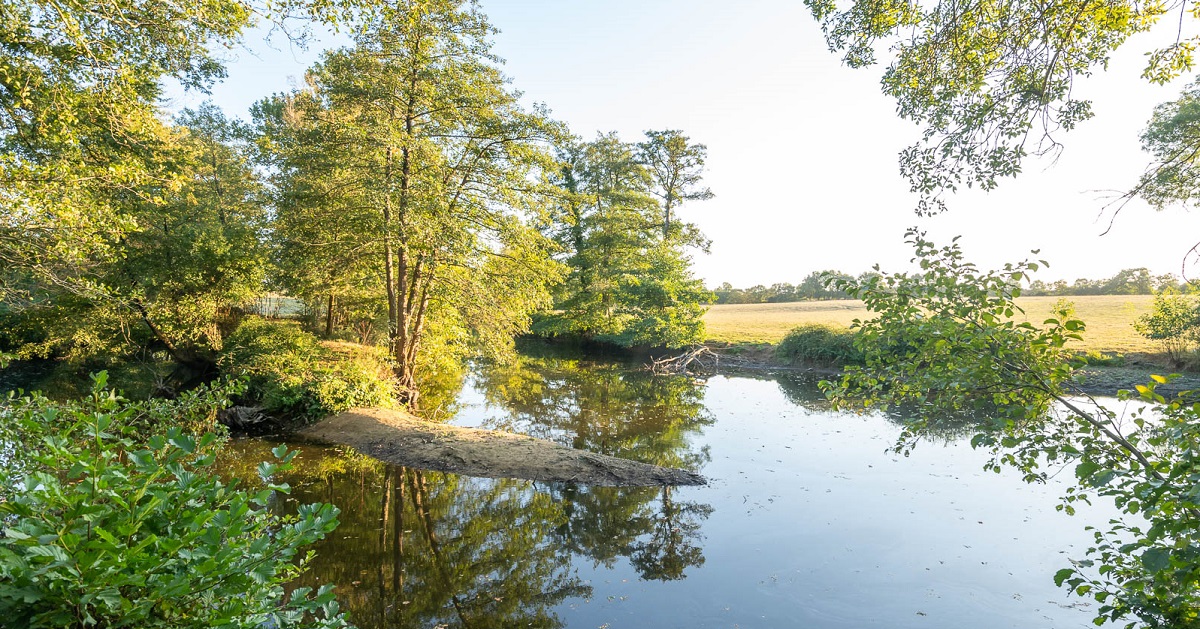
x=398, y=437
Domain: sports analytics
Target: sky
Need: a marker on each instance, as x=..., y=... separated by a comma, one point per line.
x=802, y=152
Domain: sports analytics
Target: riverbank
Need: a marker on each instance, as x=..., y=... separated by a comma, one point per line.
x=1134, y=370
x=400, y=438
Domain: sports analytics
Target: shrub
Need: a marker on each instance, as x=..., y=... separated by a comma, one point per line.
x=1096, y=358
x=102, y=529
x=291, y=374
x=819, y=345
x=1174, y=322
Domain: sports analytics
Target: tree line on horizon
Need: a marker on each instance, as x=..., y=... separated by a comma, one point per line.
x=824, y=285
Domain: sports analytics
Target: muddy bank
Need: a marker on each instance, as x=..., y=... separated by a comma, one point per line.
x=400, y=438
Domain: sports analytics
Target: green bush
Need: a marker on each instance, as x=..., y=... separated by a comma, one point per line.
x=105, y=530
x=1173, y=321
x=1096, y=358
x=816, y=344
x=291, y=374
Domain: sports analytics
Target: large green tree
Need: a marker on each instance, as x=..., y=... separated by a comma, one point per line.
x=414, y=144
x=191, y=255
x=630, y=281
x=117, y=226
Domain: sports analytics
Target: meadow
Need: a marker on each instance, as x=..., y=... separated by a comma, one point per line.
x=1109, y=320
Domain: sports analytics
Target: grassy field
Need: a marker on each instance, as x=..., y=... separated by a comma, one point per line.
x=1109, y=319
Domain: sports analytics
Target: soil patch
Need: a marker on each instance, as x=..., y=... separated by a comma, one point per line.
x=403, y=439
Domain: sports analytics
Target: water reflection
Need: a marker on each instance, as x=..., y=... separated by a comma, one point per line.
x=808, y=520
x=430, y=549
x=802, y=390
x=612, y=409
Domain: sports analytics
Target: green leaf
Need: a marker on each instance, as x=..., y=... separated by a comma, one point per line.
x=1063, y=575
x=1156, y=559
x=1086, y=468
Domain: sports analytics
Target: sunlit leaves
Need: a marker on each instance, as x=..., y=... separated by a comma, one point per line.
x=405, y=176
x=109, y=526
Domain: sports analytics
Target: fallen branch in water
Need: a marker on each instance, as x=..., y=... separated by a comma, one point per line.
x=698, y=360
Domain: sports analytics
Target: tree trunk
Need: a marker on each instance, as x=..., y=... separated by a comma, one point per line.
x=329, y=317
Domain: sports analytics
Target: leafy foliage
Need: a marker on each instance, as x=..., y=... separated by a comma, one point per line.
x=629, y=281
x=120, y=230
x=992, y=82
x=411, y=158
x=290, y=374
x=943, y=339
x=108, y=525
x=943, y=343
x=1174, y=321
x=820, y=345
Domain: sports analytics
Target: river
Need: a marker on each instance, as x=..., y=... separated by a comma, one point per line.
x=808, y=520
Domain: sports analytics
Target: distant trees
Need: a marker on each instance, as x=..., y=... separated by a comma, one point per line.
x=1126, y=282
x=823, y=285
x=817, y=285
x=628, y=280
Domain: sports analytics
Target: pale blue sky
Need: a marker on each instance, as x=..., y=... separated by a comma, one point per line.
x=802, y=152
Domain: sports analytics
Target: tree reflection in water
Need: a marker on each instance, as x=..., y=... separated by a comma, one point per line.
x=629, y=413
x=430, y=549
x=425, y=549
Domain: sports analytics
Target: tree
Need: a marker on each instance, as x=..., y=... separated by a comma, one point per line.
x=414, y=141
x=676, y=168
x=78, y=125
x=193, y=254
x=91, y=175
x=1173, y=321
x=79, y=129
x=627, y=283
x=991, y=82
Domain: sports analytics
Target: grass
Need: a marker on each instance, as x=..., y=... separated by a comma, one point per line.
x=1109, y=320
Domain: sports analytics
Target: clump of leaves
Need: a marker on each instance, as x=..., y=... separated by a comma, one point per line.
x=105, y=529
x=291, y=374
x=944, y=340
x=820, y=345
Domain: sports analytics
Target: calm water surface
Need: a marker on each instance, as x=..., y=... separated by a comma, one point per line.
x=807, y=520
